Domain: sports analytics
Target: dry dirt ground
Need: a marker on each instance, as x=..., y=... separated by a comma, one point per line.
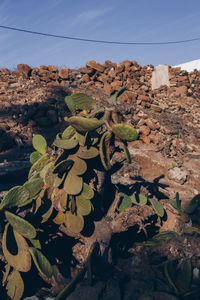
x=165, y=160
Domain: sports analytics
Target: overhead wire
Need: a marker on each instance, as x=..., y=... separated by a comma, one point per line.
x=98, y=41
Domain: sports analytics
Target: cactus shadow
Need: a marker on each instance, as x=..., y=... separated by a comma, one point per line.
x=150, y=188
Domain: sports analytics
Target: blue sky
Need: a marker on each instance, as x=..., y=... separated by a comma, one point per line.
x=121, y=20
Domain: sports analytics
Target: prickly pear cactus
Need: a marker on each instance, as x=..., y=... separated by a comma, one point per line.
x=60, y=188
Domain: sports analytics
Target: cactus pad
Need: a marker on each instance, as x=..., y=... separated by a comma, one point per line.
x=34, y=186
x=139, y=199
x=34, y=157
x=104, y=150
x=87, y=192
x=39, y=165
x=68, y=133
x=73, y=184
x=21, y=261
x=66, y=143
x=22, y=226
x=16, y=196
x=41, y=262
x=85, y=153
x=15, y=286
x=125, y=132
x=80, y=101
x=74, y=222
x=39, y=143
x=84, y=125
x=157, y=206
x=83, y=206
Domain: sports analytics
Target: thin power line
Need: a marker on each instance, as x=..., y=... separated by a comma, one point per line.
x=99, y=41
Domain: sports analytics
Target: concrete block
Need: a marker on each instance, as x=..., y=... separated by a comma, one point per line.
x=160, y=76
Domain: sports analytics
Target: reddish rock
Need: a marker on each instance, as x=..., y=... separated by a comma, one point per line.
x=64, y=73
x=96, y=66
x=43, y=72
x=98, y=84
x=52, y=68
x=44, y=67
x=103, y=78
x=107, y=88
x=145, y=130
x=5, y=71
x=85, y=78
x=86, y=70
x=24, y=69
x=143, y=98
x=156, y=108
x=120, y=68
x=116, y=85
x=146, y=139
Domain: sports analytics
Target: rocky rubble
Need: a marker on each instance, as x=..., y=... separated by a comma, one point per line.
x=167, y=118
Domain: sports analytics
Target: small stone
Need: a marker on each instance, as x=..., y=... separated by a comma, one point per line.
x=145, y=130
x=156, y=108
x=52, y=68
x=24, y=69
x=96, y=66
x=64, y=73
x=178, y=175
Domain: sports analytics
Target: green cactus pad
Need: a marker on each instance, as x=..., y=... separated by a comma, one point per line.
x=34, y=186
x=39, y=165
x=87, y=192
x=80, y=101
x=21, y=261
x=74, y=223
x=15, y=286
x=20, y=225
x=193, y=204
x=60, y=218
x=83, y=206
x=125, y=203
x=71, y=105
x=35, y=243
x=104, y=150
x=63, y=167
x=85, y=153
x=157, y=206
x=81, y=137
x=139, y=199
x=125, y=132
x=16, y=196
x=84, y=125
x=66, y=144
x=68, y=133
x=164, y=236
x=39, y=143
x=79, y=167
x=73, y=184
x=34, y=157
x=41, y=262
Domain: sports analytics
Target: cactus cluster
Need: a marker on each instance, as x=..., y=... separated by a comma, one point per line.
x=58, y=188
